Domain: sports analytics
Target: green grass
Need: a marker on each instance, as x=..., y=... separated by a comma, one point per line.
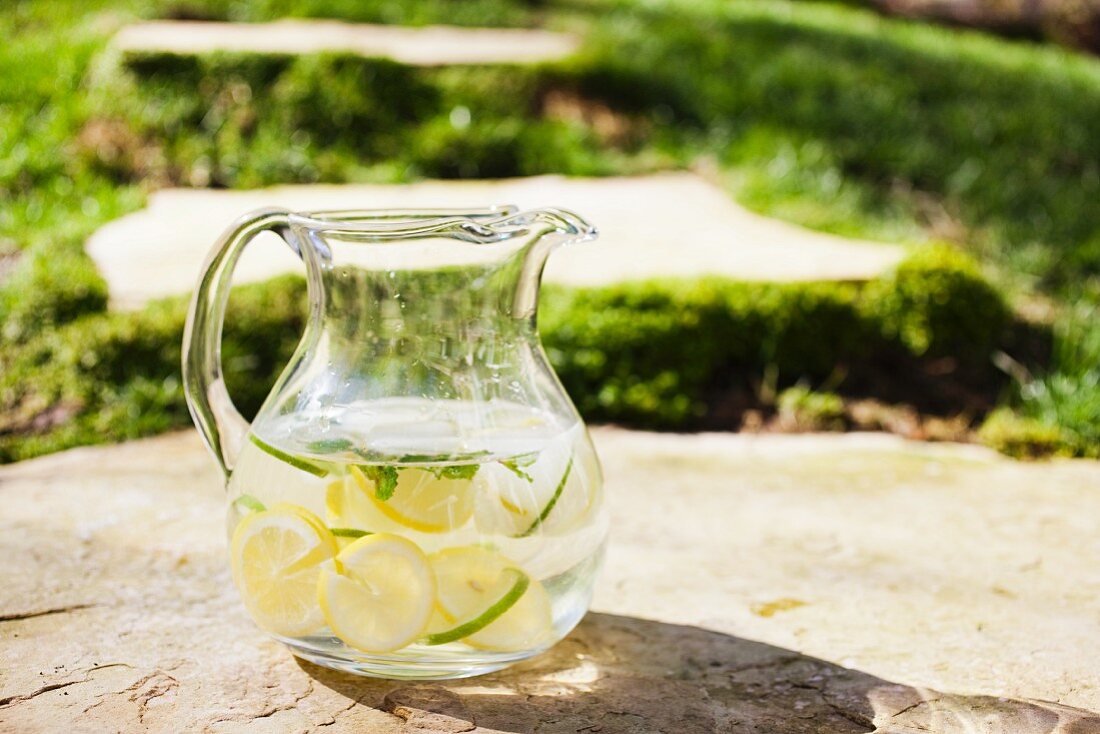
x=49, y=201
x=421, y=12
x=822, y=114
x=46, y=195
x=991, y=142
x=113, y=376
x=810, y=410
x=242, y=120
x=826, y=115
x=1065, y=397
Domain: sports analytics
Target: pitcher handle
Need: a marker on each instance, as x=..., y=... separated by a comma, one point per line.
x=221, y=425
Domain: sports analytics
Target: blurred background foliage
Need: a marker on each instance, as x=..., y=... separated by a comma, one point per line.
x=830, y=115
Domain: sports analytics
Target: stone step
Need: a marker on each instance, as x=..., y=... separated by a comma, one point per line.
x=777, y=584
x=664, y=225
x=421, y=46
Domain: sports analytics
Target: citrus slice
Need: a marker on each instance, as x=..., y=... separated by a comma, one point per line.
x=377, y=595
x=347, y=505
x=250, y=503
x=421, y=501
x=352, y=533
x=476, y=584
x=296, y=462
x=512, y=584
x=276, y=556
x=548, y=496
x=440, y=621
x=550, y=503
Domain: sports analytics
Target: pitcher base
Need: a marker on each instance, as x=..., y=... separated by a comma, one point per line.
x=410, y=666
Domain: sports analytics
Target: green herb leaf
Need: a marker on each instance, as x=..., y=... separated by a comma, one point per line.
x=525, y=459
x=438, y=458
x=384, y=478
x=463, y=471
x=329, y=445
x=422, y=458
x=513, y=465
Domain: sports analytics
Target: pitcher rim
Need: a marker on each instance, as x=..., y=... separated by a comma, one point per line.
x=472, y=224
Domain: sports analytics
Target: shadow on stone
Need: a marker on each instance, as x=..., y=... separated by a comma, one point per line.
x=623, y=675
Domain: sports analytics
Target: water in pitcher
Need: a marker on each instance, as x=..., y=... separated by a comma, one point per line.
x=417, y=538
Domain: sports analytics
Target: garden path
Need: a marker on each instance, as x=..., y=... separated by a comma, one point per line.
x=662, y=225
x=423, y=46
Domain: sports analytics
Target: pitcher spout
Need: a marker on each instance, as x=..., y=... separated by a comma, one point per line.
x=552, y=228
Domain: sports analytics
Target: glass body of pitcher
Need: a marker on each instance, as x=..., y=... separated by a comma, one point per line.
x=417, y=497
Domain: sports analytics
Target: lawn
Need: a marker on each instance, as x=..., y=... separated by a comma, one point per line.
x=826, y=115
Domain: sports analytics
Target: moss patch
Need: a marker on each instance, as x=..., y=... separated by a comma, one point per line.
x=657, y=354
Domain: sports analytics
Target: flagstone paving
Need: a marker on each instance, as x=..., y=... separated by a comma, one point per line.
x=421, y=46
x=780, y=584
x=665, y=225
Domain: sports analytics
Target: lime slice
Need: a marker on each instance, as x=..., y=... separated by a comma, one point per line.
x=514, y=583
x=549, y=496
x=250, y=503
x=440, y=621
x=276, y=556
x=294, y=461
x=349, y=532
x=377, y=595
x=421, y=501
x=549, y=507
x=475, y=584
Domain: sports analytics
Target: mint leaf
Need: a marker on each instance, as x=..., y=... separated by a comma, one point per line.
x=438, y=458
x=464, y=471
x=422, y=458
x=329, y=445
x=514, y=468
x=514, y=464
x=384, y=478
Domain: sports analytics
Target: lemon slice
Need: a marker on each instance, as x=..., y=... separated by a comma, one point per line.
x=276, y=556
x=347, y=505
x=477, y=584
x=378, y=594
x=421, y=501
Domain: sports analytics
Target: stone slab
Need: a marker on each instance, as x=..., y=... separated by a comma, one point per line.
x=420, y=46
x=778, y=584
x=665, y=225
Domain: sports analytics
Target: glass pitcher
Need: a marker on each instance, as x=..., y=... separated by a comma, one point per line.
x=417, y=497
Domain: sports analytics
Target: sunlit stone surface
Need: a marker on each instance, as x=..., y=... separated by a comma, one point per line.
x=755, y=584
